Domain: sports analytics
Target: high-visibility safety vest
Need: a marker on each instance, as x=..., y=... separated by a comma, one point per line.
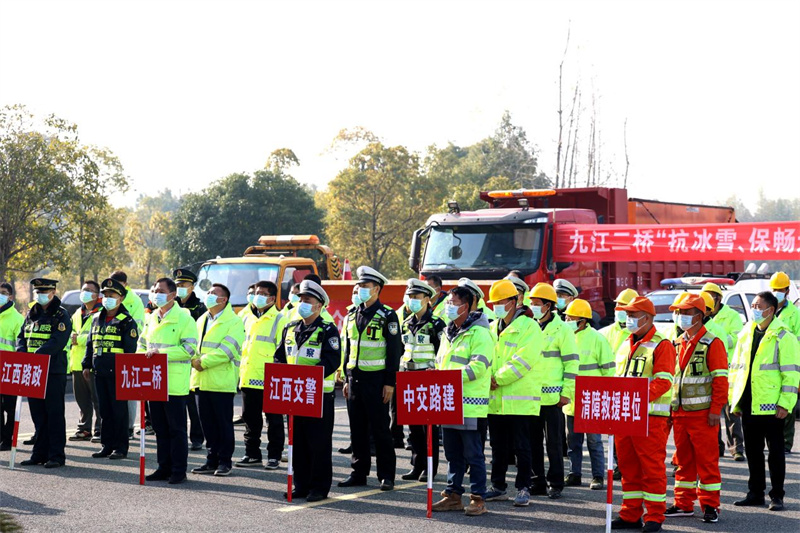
x=133, y=304
x=82, y=325
x=518, y=350
x=246, y=314
x=775, y=370
x=730, y=322
x=418, y=353
x=470, y=351
x=691, y=389
x=10, y=325
x=367, y=348
x=615, y=335
x=640, y=364
x=560, y=362
x=220, y=352
x=262, y=336
x=790, y=316
x=438, y=309
x=595, y=358
x=176, y=336
x=110, y=338
x=308, y=353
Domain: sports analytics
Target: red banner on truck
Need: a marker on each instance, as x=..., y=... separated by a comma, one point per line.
x=24, y=374
x=675, y=242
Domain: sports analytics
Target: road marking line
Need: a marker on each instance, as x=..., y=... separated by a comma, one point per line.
x=344, y=497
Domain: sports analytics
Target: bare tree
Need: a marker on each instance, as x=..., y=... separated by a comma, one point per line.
x=627, y=161
x=560, y=110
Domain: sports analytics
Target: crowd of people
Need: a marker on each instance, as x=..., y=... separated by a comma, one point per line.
x=519, y=360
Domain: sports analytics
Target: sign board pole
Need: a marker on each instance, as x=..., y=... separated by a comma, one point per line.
x=141, y=442
x=430, y=471
x=610, y=488
x=289, y=469
x=17, y=415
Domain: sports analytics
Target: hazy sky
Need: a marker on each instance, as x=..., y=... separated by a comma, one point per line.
x=187, y=92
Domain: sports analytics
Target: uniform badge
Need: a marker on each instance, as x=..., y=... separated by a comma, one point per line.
x=393, y=328
x=133, y=333
x=334, y=342
x=62, y=326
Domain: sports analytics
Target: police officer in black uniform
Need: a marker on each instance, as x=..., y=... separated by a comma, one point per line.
x=114, y=331
x=47, y=330
x=185, y=280
x=313, y=467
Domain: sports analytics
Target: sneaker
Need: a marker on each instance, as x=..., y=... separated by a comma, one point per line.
x=272, y=464
x=81, y=435
x=710, y=515
x=246, y=462
x=205, y=469
x=651, y=527
x=523, y=498
x=596, y=484
x=222, y=471
x=573, y=480
x=674, y=510
x=95, y=439
x=738, y=457
x=496, y=495
x=776, y=504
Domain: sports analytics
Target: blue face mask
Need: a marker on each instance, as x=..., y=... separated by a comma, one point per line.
x=87, y=297
x=159, y=299
x=110, y=303
x=561, y=303
x=500, y=311
x=3, y=300
x=260, y=301
x=305, y=309
x=294, y=298
x=633, y=323
x=250, y=298
x=364, y=294
x=42, y=298
x=355, y=299
x=572, y=325
x=780, y=296
x=685, y=322
x=451, y=311
x=182, y=292
x=414, y=305
x=538, y=312
x=621, y=316
x=758, y=316
x=211, y=300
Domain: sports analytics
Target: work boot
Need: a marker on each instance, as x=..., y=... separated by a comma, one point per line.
x=476, y=507
x=449, y=502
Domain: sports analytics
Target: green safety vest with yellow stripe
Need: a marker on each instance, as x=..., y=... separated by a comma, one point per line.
x=176, y=336
x=517, y=352
x=595, y=358
x=107, y=337
x=560, y=362
x=309, y=353
x=81, y=325
x=11, y=322
x=692, y=392
x=615, y=335
x=640, y=364
x=367, y=349
x=730, y=322
x=220, y=352
x=418, y=351
x=262, y=336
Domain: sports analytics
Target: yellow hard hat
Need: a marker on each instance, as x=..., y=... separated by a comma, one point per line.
x=708, y=299
x=579, y=308
x=544, y=291
x=625, y=297
x=779, y=280
x=712, y=287
x=502, y=290
x=681, y=297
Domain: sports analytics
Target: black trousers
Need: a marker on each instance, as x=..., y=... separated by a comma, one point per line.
x=311, y=457
x=216, y=415
x=418, y=435
x=398, y=435
x=114, y=413
x=252, y=409
x=169, y=423
x=510, y=434
x=49, y=420
x=86, y=398
x=758, y=429
x=370, y=416
x=196, y=428
x=8, y=405
x=549, y=427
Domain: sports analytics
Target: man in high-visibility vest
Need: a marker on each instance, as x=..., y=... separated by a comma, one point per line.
x=84, y=390
x=10, y=323
x=764, y=376
x=170, y=330
x=789, y=315
x=596, y=359
x=468, y=346
x=523, y=299
x=312, y=341
x=515, y=394
x=371, y=358
x=263, y=332
x=699, y=393
x=647, y=354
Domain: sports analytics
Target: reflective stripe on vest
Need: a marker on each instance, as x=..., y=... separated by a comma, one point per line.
x=367, y=348
x=640, y=364
x=308, y=353
x=692, y=392
x=418, y=353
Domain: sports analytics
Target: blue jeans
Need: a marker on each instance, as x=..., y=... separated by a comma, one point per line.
x=594, y=442
x=462, y=448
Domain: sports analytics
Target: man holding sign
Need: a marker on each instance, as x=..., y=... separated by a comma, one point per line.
x=10, y=323
x=170, y=330
x=312, y=341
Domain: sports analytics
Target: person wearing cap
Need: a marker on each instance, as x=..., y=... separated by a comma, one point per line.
x=170, y=330
x=292, y=300
x=676, y=332
x=294, y=316
x=515, y=394
x=616, y=333
x=215, y=375
x=566, y=293
x=468, y=346
x=10, y=324
x=438, y=300
x=596, y=359
x=83, y=389
x=523, y=291
x=372, y=353
x=262, y=337
x=47, y=330
x=699, y=393
x=312, y=341
x=557, y=377
x=788, y=313
x=764, y=376
x=340, y=372
x=113, y=332
x=246, y=312
x=421, y=335
x=648, y=354
x=478, y=305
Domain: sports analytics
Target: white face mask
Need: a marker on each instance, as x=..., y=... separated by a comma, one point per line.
x=500, y=311
x=621, y=316
x=538, y=312
x=685, y=322
x=633, y=324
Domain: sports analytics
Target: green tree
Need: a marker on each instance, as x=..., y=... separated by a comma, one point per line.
x=145, y=236
x=97, y=245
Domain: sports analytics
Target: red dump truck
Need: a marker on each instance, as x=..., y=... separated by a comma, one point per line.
x=515, y=232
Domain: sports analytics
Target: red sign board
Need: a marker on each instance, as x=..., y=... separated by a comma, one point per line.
x=293, y=389
x=141, y=378
x=673, y=242
x=429, y=397
x=611, y=406
x=24, y=374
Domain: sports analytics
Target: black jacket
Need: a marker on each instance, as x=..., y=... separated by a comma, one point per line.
x=54, y=320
